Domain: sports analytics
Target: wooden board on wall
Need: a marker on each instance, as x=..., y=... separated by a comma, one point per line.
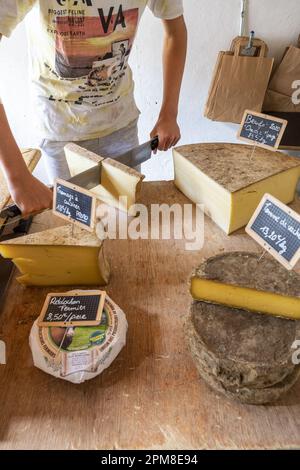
x=152, y=396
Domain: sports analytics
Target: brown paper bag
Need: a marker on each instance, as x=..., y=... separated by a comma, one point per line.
x=278, y=102
x=238, y=83
x=279, y=97
x=287, y=73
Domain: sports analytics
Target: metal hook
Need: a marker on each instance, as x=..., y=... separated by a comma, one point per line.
x=251, y=39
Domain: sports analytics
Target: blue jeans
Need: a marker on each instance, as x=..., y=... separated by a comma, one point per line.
x=109, y=146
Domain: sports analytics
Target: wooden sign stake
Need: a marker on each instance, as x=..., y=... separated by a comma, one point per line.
x=252, y=153
x=60, y=346
x=262, y=256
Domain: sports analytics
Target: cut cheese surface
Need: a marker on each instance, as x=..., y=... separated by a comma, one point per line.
x=79, y=159
x=243, y=281
x=245, y=298
x=59, y=256
x=117, y=180
x=229, y=180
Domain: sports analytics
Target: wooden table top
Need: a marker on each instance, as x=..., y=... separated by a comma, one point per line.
x=152, y=396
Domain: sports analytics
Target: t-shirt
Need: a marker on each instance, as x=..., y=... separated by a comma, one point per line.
x=82, y=84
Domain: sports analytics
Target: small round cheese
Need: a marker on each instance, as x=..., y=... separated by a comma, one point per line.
x=78, y=353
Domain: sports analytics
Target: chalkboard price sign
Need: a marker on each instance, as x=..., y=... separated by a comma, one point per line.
x=276, y=227
x=75, y=204
x=78, y=308
x=262, y=130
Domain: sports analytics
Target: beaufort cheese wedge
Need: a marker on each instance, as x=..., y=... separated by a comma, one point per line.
x=117, y=180
x=231, y=179
x=244, y=281
x=58, y=257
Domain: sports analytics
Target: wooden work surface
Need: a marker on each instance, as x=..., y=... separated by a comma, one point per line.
x=151, y=397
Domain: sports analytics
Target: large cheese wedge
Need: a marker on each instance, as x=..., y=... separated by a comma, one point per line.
x=244, y=281
x=231, y=179
x=58, y=256
x=117, y=180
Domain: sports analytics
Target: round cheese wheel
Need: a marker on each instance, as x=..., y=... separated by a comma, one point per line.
x=79, y=353
x=245, y=355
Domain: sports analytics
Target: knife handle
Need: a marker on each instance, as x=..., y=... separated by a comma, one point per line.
x=154, y=143
x=11, y=212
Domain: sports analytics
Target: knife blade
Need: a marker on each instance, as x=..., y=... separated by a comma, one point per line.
x=138, y=155
x=91, y=178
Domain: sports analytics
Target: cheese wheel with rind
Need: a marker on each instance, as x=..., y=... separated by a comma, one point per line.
x=80, y=353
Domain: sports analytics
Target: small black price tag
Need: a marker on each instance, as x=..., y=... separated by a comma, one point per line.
x=262, y=130
x=74, y=204
x=276, y=227
x=78, y=308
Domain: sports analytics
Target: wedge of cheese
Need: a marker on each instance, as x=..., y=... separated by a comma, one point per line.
x=117, y=180
x=229, y=180
x=244, y=281
x=58, y=256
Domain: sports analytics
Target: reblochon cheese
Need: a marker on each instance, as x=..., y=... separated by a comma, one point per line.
x=231, y=179
x=117, y=180
x=60, y=256
x=77, y=354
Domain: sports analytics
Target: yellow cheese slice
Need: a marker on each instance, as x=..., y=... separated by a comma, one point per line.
x=229, y=180
x=58, y=256
x=117, y=180
x=245, y=298
x=246, y=281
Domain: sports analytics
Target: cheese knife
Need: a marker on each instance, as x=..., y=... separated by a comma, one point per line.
x=91, y=178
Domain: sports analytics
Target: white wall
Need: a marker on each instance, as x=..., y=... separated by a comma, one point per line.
x=211, y=24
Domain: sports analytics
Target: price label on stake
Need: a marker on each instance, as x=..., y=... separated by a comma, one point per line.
x=73, y=309
x=276, y=228
x=75, y=204
x=262, y=130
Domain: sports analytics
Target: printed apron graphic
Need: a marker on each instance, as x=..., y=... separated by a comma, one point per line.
x=95, y=47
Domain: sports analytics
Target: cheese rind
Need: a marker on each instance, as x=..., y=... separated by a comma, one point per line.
x=226, y=346
x=243, y=281
x=117, y=180
x=55, y=257
x=230, y=179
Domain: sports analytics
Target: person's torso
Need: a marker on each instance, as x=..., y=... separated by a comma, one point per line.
x=79, y=55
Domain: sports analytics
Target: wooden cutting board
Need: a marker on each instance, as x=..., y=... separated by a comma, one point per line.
x=152, y=396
